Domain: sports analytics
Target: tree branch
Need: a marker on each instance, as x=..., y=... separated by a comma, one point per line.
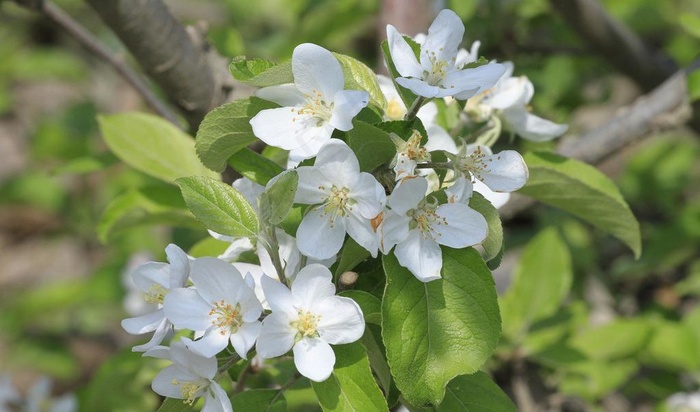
x=90, y=42
x=191, y=74
x=665, y=107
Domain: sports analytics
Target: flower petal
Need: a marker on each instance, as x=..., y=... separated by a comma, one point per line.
x=421, y=256
x=285, y=128
x=214, y=341
x=460, y=191
x=216, y=400
x=338, y=163
x=317, y=70
x=509, y=92
x=163, y=382
x=393, y=230
x=469, y=82
x=179, y=266
x=163, y=331
x=465, y=226
x=402, y=55
x=341, y=320
x=320, y=235
x=361, y=231
x=278, y=296
x=245, y=337
x=407, y=194
x=314, y=358
x=143, y=324
x=506, y=172
x=312, y=284
x=444, y=36
x=276, y=336
x=187, y=309
x=531, y=127
x=497, y=199
x=151, y=273
x=282, y=94
x=216, y=279
x=369, y=196
x=346, y=105
x=420, y=87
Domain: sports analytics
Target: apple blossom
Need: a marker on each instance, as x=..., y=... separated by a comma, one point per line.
x=308, y=319
x=313, y=106
x=436, y=75
x=345, y=200
x=156, y=280
x=505, y=171
x=223, y=305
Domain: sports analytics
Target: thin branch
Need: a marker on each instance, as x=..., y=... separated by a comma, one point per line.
x=93, y=44
x=665, y=107
x=178, y=59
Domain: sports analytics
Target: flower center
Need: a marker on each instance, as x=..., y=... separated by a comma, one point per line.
x=474, y=163
x=338, y=202
x=156, y=294
x=438, y=69
x=307, y=324
x=317, y=107
x=191, y=390
x=426, y=220
x=226, y=316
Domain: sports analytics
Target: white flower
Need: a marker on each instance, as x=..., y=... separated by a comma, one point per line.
x=191, y=376
x=39, y=399
x=505, y=171
x=314, y=105
x=417, y=227
x=684, y=402
x=308, y=319
x=346, y=200
x=222, y=304
x=437, y=74
x=8, y=394
x=156, y=280
x=510, y=100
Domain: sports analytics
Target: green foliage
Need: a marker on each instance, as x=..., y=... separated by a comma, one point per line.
x=493, y=244
x=441, y=329
x=371, y=145
x=151, y=145
x=174, y=405
x=351, y=387
x=475, y=393
x=583, y=191
x=219, y=207
x=261, y=73
x=259, y=400
x=360, y=77
x=254, y=166
x=226, y=130
x=406, y=95
x=276, y=202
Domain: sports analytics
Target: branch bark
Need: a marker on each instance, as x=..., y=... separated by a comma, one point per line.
x=191, y=74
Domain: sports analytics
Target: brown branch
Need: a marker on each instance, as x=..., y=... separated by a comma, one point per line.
x=90, y=42
x=665, y=107
x=191, y=74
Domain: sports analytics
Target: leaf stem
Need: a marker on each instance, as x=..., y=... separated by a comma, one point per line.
x=413, y=111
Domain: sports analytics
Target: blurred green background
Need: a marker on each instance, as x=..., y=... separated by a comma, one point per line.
x=62, y=263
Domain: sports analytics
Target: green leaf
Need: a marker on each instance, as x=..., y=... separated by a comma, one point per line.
x=360, y=77
x=583, y=191
x=593, y=380
x=493, y=244
x=618, y=339
x=226, y=130
x=371, y=305
x=175, y=405
x=371, y=145
x=475, y=393
x=441, y=329
x=254, y=166
x=673, y=346
x=152, y=145
x=376, y=352
x=219, y=206
x=694, y=85
x=690, y=23
x=406, y=95
x=276, y=202
x=259, y=400
x=351, y=387
x=261, y=73
x=351, y=255
x=147, y=206
x=404, y=129
x=540, y=283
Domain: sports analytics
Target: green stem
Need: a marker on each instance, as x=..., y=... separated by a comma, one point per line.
x=413, y=111
x=272, y=245
x=227, y=365
x=434, y=165
x=286, y=386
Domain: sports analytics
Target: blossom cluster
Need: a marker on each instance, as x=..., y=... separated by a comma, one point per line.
x=285, y=299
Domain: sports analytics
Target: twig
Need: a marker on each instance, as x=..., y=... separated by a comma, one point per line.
x=286, y=386
x=90, y=42
x=242, y=377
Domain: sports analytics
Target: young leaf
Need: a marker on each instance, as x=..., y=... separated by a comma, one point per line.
x=541, y=281
x=226, y=130
x=477, y=393
x=151, y=145
x=254, y=166
x=584, y=191
x=219, y=207
x=371, y=145
x=360, y=77
x=493, y=244
x=261, y=73
x=441, y=329
x=259, y=400
x=351, y=387
x=277, y=200
x=147, y=206
x=618, y=339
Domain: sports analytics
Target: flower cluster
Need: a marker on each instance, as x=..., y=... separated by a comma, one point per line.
x=283, y=299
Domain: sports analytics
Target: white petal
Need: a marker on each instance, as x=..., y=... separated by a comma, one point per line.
x=439, y=139
x=531, y=127
x=460, y=191
x=318, y=137
x=284, y=128
x=362, y=232
x=338, y=163
x=249, y=189
x=507, y=171
x=407, y=195
x=236, y=248
x=245, y=337
x=278, y=296
x=216, y=400
x=469, y=82
x=276, y=336
x=282, y=94
x=314, y=359
x=313, y=188
x=320, y=235
x=216, y=279
x=465, y=226
x=181, y=353
x=179, y=266
x=402, y=55
x=317, y=70
x=214, y=341
x=420, y=87
x=369, y=195
x=163, y=382
x=510, y=92
x=497, y=199
x=393, y=230
x=346, y=105
x=444, y=36
x=341, y=320
x=250, y=305
x=143, y=324
x=151, y=273
x=187, y=309
x=162, y=332
x=422, y=257
x=313, y=284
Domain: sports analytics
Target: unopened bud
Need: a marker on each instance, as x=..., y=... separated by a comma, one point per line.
x=348, y=278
